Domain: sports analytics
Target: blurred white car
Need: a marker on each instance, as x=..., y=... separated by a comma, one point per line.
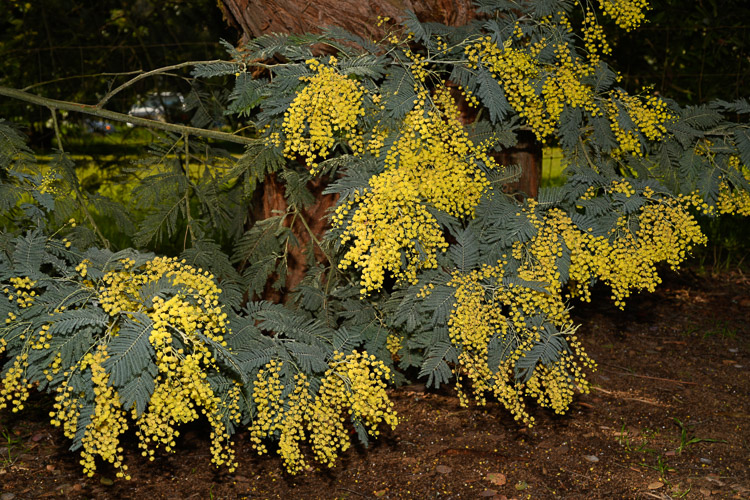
x=164, y=106
x=99, y=127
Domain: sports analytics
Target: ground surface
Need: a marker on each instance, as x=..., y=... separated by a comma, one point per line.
x=668, y=417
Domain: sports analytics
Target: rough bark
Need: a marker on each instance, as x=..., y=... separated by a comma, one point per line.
x=271, y=200
x=527, y=153
x=257, y=17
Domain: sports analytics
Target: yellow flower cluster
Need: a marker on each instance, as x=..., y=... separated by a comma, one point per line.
x=625, y=260
x=649, y=116
x=393, y=343
x=389, y=222
x=354, y=385
x=520, y=73
x=181, y=390
x=108, y=422
x=485, y=309
x=67, y=409
x=22, y=292
x=539, y=91
x=553, y=386
x=43, y=338
x=473, y=322
x=734, y=201
x=628, y=14
x=594, y=40
x=432, y=163
x=49, y=184
x=53, y=368
x=182, y=358
x=14, y=387
x=327, y=109
x=83, y=268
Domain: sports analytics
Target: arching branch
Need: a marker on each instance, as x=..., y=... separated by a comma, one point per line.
x=121, y=117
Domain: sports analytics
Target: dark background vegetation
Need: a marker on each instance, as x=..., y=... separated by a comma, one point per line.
x=692, y=51
x=78, y=50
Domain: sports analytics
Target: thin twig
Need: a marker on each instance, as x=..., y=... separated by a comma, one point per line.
x=355, y=492
x=75, y=77
x=56, y=127
x=674, y=381
x=156, y=71
x=616, y=395
x=188, y=216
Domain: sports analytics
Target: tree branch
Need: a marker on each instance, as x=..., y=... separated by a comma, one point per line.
x=120, y=117
x=75, y=77
x=156, y=71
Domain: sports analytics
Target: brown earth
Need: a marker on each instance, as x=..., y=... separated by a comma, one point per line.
x=668, y=417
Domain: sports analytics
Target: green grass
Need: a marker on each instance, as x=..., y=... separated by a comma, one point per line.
x=552, y=167
x=11, y=449
x=688, y=438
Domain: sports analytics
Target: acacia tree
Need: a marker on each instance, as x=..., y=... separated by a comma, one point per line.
x=429, y=267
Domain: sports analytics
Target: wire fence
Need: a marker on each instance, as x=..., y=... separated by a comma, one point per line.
x=694, y=64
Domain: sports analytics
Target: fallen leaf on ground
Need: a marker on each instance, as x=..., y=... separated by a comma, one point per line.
x=655, y=485
x=497, y=478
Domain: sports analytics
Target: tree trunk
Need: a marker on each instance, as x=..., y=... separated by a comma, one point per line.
x=255, y=18
x=527, y=153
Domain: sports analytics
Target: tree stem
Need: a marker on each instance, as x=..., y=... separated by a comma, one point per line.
x=78, y=194
x=156, y=71
x=120, y=117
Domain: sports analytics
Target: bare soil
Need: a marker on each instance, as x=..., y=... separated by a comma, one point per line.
x=668, y=417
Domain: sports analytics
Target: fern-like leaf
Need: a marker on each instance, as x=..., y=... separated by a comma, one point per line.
x=435, y=367
x=398, y=92
x=136, y=392
x=130, y=353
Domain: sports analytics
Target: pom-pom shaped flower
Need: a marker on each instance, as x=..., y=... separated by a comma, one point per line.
x=325, y=111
